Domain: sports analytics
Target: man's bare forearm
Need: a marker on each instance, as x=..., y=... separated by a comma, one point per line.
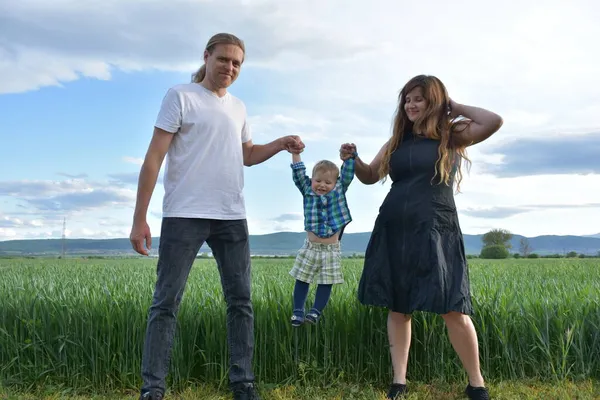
x=262, y=152
x=146, y=185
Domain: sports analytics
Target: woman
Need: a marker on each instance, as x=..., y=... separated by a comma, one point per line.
x=415, y=259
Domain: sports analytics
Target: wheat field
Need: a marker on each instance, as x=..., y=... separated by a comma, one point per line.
x=79, y=323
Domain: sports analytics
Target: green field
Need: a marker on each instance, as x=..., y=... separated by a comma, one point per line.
x=79, y=324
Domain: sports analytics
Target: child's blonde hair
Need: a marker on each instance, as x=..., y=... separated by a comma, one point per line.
x=325, y=166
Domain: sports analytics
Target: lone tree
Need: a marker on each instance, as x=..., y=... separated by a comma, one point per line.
x=494, y=252
x=498, y=237
x=496, y=244
x=525, y=247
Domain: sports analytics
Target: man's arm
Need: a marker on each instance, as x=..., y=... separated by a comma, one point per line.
x=159, y=145
x=168, y=122
x=259, y=153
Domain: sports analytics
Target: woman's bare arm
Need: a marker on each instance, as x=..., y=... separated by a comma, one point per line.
x=482, y=124
x=368, y=173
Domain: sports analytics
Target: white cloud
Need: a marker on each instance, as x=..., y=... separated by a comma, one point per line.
x=26, y=68
x=36, y=209
x=521, y=62
x=7, y=234
x=99, y=234
x=90, y=225
x=7, y=221
x=518, y=119
x=288, y=217
x=134, y=160
x=29, y=188
x=46, y=44
x=337, y=81
x=66, y=195
x=540, y=195
x=258, y=226
x=269, y=127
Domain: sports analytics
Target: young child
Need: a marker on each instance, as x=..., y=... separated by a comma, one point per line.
x=326, y=213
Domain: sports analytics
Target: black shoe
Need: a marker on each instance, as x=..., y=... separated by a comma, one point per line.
x=151, y=395
x=245, y=391
x=477, y=393
x=397, y=391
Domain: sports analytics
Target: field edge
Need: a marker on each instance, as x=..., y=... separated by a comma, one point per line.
x=503, y=390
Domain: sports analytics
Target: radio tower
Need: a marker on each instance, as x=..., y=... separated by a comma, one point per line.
x=64, y=237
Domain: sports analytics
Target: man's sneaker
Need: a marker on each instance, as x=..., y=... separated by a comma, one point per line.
x=477, y=393
x=151, y=395
x=397, y=391
x=245, y=391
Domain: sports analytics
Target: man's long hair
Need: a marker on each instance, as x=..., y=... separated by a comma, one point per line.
x=219, y=38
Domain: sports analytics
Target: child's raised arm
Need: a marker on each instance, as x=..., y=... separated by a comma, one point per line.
x=296, y=158
x=301, y=180
x=347, y=173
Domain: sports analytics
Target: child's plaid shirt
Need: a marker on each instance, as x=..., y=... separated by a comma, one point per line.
x=325, y=215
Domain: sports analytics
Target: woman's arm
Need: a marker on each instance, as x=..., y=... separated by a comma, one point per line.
x=481, y=125
x=366, y=173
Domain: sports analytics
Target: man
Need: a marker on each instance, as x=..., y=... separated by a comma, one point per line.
x=204, y=130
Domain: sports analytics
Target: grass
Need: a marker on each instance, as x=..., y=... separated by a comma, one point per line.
x=524, y=390
x=78, y=326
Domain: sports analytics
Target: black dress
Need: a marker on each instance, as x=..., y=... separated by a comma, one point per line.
x=415, y=259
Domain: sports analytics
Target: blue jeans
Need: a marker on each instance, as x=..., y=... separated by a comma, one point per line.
x=180, y=241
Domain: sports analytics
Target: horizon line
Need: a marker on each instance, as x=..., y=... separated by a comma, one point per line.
x=590, y=236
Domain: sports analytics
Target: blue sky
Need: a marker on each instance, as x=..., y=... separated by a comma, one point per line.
x=81, y=85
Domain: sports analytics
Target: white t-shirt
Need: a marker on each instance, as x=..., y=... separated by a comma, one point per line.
x=204, y=174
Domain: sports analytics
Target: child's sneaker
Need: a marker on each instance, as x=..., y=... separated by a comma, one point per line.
x=313, y=316
x=297, y=318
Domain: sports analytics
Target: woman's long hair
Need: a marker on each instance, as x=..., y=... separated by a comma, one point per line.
x=436, y=123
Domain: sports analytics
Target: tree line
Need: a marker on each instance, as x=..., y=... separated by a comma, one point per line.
x=497, y=245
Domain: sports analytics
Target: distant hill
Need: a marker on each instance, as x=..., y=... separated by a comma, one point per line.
x=285, y=243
